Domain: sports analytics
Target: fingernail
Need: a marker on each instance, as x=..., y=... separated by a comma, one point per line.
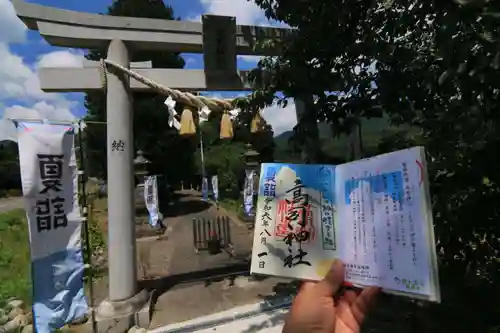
x=337, y=269
x=337, y=263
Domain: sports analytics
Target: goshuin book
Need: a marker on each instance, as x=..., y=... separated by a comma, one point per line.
x=373, y=214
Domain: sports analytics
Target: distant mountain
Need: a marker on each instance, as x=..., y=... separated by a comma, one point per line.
x=283, y=137
x=372, y=130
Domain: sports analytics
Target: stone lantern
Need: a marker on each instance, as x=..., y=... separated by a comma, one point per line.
x=141, y=167
x=140, y=173
x=252, y=162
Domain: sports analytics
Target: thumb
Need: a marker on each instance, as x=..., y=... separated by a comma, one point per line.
x=332, y=281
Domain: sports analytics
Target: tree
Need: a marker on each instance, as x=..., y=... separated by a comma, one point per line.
x=224, y=157
x=152, y=134
x=10, y=175
x=429, y=65
x=262, y=141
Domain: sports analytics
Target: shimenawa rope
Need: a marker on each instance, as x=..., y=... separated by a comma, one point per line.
x=214, y=104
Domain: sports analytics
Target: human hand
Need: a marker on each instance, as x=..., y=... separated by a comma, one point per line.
x=315, y=310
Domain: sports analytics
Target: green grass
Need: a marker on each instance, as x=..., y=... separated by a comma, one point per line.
x=15, y=262
x=232, y=205
x=97, y=241
x=96, y=236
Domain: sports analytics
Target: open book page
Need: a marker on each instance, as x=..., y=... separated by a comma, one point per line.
x=294, y=227
x=385, y=224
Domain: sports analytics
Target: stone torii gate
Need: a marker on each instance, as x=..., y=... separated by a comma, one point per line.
x=218, y=38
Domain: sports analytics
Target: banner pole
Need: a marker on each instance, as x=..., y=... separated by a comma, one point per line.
x=86, y=233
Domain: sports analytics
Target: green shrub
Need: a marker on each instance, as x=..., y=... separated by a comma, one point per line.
x=15, y=262
x=14, y=192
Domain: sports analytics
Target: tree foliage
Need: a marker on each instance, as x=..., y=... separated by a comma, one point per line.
x=225, y=158
x=10, y=175
x=170, y=154
x=174, y=156
x=430, y=65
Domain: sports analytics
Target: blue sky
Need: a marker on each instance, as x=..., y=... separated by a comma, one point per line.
x=23, y=51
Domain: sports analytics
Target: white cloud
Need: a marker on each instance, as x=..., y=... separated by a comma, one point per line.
x=246, y=12
x=26, y=77
x=19, y=80
x=61, y=59
x=194, y=18
x=191, y=59
x=14, y=74
x=250, y=58
x=12, y=30
x=59, y=112
x=281, y=119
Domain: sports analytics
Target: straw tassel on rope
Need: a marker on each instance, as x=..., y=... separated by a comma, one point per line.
x=187, y=122
x=257, y=124
x=192, y=102
x=226, y=127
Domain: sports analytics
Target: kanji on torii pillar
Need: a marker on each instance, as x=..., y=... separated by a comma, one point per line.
x=218, y=38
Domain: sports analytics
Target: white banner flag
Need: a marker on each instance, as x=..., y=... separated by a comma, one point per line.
x=151, y=199
x=215, y=187
x=204, y=188
x=248, y=192
x=50, y=189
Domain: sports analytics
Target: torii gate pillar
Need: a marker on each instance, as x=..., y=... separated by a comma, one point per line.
x=123, y=292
